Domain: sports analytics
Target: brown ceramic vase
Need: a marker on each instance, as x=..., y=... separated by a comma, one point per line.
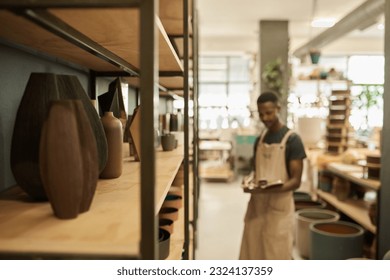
x=114, y=135
x=68, y=159
x=32, y=112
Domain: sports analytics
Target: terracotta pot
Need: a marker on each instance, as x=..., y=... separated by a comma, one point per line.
x=169, y=213
x=174, y=201
x=166, y=224
x=113, y=131
x=336, y=241
x=304, y=218
x=176, y=190
x=68, y=159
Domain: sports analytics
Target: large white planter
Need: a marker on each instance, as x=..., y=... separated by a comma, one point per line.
x=311, y=130
x=336, y=241
x=304, y=218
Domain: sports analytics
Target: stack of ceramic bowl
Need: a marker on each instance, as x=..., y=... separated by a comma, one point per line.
x=338, y=121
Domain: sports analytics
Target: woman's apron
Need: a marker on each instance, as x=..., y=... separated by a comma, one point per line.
x=269, y=220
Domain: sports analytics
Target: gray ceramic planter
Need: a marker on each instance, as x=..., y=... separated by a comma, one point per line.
x=336, y=241
x=304, y=218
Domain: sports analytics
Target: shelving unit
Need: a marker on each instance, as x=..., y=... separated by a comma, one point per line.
x=108, y=38
x=338, y=121
x=354, y=174
x=356, y=208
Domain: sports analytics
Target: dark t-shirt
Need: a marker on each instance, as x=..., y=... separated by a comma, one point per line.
x=294, y=145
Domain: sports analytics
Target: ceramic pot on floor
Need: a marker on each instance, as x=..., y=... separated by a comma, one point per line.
x=304, y=218
x=336, y=241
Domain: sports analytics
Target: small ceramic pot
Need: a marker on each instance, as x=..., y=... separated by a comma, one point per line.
x=166, y=224
x=176, y=190
x=168, y=142
x=309, y=204
x=163, y=244
x=169, y=213
x=174, y=201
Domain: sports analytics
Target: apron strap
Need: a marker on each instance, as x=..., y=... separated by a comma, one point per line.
x=263, y=135
x=285, y=137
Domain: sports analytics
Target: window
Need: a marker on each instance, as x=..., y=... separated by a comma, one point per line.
x=224, y=91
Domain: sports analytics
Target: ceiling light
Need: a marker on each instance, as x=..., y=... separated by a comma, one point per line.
x=323, y=22
x=380, y=26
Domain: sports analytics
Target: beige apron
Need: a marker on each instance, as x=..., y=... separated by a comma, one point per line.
x=269, y=220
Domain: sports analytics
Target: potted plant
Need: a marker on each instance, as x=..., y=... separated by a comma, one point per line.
x=273, y=76
x=315, y=55
x=367, y=99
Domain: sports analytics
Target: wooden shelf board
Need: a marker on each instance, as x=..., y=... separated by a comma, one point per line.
x=353, y=173
x=174, y=82
x=177, y=237
x=21, y=31
x=355, y=209
x=116, y=29
x=171, y=15
x=111, y=227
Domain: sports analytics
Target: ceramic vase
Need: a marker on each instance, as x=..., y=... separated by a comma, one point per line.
x=89, y=157
x=68, y=159
x=114, y=135
x=173, y=122
x=32, y=111
x=336, y=240
x=70, y=88
x=168, y=142
x=112, y=101
x=42, y=88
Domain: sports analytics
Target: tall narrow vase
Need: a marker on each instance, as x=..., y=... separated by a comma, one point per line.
x=114, y=135
x=68, y=159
